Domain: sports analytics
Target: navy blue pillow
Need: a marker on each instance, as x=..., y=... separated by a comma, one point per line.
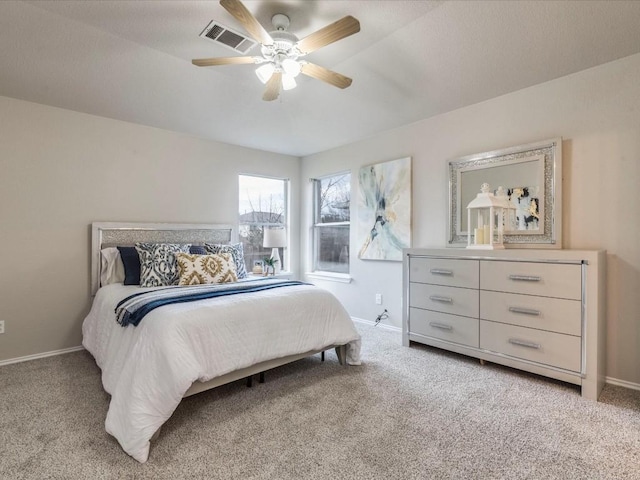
x=131, y=262
x=197, y=250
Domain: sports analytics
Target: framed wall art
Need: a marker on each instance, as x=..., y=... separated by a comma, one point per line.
x=384, y=210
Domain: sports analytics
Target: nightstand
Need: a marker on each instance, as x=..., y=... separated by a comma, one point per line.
x=281, y=275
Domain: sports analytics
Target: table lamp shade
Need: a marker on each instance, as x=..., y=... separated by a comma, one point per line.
x=275, y=238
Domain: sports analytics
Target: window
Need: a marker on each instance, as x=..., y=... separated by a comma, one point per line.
x=332, y=199
x=262, y=203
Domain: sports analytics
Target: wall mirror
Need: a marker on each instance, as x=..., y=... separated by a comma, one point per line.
x=532, y=177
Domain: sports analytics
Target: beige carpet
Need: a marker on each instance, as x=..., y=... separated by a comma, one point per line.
x=406, y=413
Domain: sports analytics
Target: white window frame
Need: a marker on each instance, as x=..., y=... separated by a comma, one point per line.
x=315, y=245
x=287, y=185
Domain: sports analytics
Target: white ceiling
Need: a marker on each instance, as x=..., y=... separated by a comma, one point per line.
x=131, y=60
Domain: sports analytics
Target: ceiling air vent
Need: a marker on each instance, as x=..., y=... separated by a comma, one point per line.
x=228, y=37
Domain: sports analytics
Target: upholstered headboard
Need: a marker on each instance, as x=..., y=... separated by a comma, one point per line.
x=110, y=234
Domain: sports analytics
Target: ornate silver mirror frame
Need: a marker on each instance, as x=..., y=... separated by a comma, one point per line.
x=533, y=171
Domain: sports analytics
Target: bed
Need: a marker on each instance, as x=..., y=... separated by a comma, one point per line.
x=183, y=348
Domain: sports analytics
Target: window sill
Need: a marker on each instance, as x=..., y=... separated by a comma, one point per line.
x=330, y=276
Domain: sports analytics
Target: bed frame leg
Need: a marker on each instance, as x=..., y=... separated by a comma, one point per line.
x=341, y=352
x=261, y=377
x=249, y=381
x=322, y=356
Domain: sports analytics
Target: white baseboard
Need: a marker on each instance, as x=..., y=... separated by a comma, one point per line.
x=380, y=325
x=40, y=355
x=622, y=383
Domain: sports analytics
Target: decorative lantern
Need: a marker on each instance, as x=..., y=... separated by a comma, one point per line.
x=488, y=211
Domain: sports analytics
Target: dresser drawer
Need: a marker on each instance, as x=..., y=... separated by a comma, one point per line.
x=452, y=328
x=444, y=271
x=543, y=279
x=554, y=349
x=456, y=301
x=552, y=314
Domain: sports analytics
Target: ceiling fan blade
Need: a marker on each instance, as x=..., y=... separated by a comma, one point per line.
x=212, y=62
x=246, y=18
x=329, y=76
x=329, y=34
x=273, y=87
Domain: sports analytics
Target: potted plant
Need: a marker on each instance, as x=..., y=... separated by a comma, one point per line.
x=270, y=265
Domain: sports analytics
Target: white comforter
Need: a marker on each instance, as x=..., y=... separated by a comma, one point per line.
x=148, y=368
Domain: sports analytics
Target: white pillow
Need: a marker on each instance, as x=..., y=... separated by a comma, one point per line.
x=111, y=266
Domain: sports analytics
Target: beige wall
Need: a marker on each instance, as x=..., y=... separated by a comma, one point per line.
x=61, y=170
x=597, y=112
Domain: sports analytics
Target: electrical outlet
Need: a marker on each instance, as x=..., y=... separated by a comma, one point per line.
x=1, y=326
x=378, y=299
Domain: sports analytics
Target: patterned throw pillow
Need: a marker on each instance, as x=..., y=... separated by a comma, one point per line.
x=235, y=250
x=201, y=269
x=158, y=266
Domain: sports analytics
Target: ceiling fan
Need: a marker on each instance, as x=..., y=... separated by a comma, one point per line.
x=282, y=51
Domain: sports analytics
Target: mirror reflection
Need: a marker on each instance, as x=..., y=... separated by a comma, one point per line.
x=524, y=183
x=528, y=174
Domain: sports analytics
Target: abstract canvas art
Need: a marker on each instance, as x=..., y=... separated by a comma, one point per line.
x=384, y=210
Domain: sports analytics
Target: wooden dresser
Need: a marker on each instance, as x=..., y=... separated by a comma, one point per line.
x=542, y=311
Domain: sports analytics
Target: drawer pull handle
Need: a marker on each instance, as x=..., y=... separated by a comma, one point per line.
x=441, y=325
x=525, y=278
x=525, y=311
x=438, y=298
x=524, y=343
x=441, y=271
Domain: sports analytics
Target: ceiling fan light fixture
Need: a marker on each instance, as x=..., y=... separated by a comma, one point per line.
x=265, y=71
x=288, y=82
x=281, y=51
x=291, y=67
